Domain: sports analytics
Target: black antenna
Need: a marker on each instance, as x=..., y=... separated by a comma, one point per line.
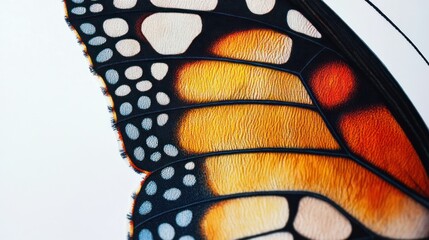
x=397, y=29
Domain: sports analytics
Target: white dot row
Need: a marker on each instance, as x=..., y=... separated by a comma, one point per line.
x=144, y=102
x=114, y=27
x=183, y=219
x=97, y=7
x=125, y=47
x=166, y=231
x=158, y=71
x=133, y=132
x=139, y=152
x=172, y=193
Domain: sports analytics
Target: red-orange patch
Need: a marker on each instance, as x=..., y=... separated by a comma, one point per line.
x=333, y=84
x=375, y=135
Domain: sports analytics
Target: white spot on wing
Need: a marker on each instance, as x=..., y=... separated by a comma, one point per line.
x=131, y=131
x=187, y=237
x=167, y=173
x=128, y=47
x=145, y=208
x=144, y=102
x=145, y=235
x=184, y=218
x=162, y=119
x=166, y=231
x=190, y=166
x=124, y=4
x=189, y=180
x=96, y=8
x=155, y=157
x=139, y=153
x=125, y=109
x=172, y=194
x=206, y=5
x=159, y=70
x=151, y=188
x=260, y=7
x=115, y=27
x=299, y=23
x=152, y=141
x=78, y=10
x=147, y=124
x=133, y=72
x=144, y=86
x=171, y=33
x=318, y=219
x=162, y=98
x=87, y=28
x=171, y=150
x=97, y=41
x=122, y=90
x=104, y=56
x=112, y=76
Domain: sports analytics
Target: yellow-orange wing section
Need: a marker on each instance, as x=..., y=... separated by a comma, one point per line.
x=252, y=119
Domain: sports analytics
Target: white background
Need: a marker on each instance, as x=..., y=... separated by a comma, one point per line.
x=61, y=176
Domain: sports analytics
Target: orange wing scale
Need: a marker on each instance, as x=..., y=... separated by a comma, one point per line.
x=256, y=110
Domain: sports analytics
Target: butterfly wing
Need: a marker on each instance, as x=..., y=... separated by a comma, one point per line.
x=255, y=119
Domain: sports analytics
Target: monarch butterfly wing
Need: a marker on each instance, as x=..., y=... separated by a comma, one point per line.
x=254, y=119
